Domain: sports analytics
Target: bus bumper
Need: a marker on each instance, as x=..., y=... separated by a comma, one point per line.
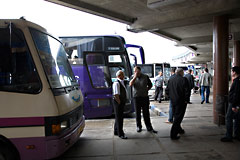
x=56, y=147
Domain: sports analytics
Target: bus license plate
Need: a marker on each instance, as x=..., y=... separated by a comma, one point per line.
x=80, y=129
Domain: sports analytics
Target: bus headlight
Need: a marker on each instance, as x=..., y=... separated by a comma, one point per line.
x=57, y=128
x=63, y=125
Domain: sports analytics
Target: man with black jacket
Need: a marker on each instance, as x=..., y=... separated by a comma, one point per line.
x=178, y=92
x=233, y=111
x=141, y=84
x=170, y=113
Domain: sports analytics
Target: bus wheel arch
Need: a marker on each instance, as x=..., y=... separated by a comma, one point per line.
x=8, y=151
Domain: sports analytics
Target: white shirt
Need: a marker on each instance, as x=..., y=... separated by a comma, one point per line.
x=205, y=79
x=116, y=86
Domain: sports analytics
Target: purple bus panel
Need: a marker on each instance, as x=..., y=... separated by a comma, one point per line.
x=48, y=147
x=97, y=101
x=95, y=61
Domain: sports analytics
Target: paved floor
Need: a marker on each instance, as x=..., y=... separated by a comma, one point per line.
x=201, y=141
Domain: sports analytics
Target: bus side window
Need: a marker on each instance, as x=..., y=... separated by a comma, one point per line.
x=4, y=65
x=17, y=70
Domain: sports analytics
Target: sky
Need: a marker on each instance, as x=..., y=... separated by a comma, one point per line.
x=63, y=21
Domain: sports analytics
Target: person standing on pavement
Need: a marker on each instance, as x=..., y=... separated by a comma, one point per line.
x=158, y=81
x=178, y=92
x=205, y=83
x=170, y=113
x=141, y=85
x=233, y=112
x=119, y=100
x=190, y=79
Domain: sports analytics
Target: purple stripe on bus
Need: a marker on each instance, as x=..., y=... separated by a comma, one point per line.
x=48, y=147
x=24, y=121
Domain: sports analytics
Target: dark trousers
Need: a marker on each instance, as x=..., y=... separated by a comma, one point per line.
x=179, y=110
x=158, y=93
x=118, y=125
x=170, y=117
x=232, y=116
x=142, y=103
x=189, y=95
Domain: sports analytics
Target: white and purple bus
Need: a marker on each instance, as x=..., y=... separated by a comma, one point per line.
x=95, y=61
x=41, y=104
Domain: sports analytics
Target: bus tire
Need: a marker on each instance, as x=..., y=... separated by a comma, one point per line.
x=8, y=152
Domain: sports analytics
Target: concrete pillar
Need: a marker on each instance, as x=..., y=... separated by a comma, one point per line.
x=220, y=57
x=236, y=53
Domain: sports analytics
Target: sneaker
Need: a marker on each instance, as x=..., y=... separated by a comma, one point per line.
x=226, y=139
x=175, y=138
x=123, y=137
x=168, y=122
x=202, y=102
x=152, y=130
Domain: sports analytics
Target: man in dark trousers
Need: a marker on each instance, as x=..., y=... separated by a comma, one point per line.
x=205, y=82
x=170, y=113
x=233, y=112
x=141, y=85
x=178, y=93
x=158, y=80
x=119, y=100
x=190, y=79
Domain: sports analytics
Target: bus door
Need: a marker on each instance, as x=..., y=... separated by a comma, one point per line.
x=97, y=85
x=119, y=61
x=166, y=76
x=166, y=72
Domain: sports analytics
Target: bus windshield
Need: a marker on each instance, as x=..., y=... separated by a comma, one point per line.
x=54, y=60
x=147, y=69
x=158, y=68
x=167, y=71
x=112, y=47
x=118, y=61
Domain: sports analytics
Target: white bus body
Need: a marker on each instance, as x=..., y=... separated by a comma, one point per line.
x=41, y=112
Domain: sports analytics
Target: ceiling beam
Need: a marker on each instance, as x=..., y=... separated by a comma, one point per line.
x=180, y=23
x=206, y=50
x=196, y=40
x=167, y=35
x=92, y=9
x=203, y=12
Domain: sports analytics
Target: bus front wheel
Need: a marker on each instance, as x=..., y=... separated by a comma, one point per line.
x=7, y=152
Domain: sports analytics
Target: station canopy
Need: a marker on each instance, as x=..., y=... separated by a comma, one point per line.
x=187, y=22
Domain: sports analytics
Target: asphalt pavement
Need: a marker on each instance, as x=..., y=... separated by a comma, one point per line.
x=200, y=142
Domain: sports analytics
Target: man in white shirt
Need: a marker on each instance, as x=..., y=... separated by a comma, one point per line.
x=158, y=80
x=119, y=100
x=205, y=83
